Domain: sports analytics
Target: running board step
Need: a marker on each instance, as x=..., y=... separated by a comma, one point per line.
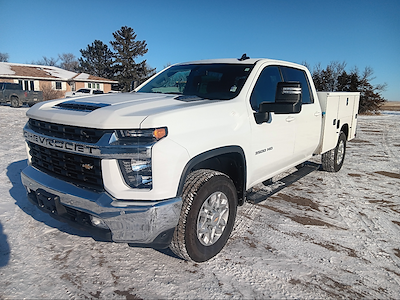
x=273, y=188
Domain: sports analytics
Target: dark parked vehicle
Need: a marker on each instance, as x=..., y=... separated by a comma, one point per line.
x=13, y=93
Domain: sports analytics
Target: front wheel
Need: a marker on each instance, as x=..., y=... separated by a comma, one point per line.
x=207, y=216
x=332, y=161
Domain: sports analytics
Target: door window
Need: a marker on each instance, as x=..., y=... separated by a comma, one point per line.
x=265, y=88
x=291, y=74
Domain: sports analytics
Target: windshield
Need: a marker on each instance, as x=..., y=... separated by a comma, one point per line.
x=209, y=81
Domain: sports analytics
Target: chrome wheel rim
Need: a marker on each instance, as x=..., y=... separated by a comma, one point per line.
x=212, y=219
x=340, y=153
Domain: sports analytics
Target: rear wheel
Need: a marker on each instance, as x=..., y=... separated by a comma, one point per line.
x=332, y=161
x=207, y=216
x=14, y=102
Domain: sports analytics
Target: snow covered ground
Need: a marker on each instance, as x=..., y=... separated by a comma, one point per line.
x=326, y=236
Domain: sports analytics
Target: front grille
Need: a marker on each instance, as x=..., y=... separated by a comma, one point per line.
x=72, y=133
x=83, y=171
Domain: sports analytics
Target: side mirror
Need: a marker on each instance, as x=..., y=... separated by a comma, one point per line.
x=288, y=92
x=287, y=99
x=262, y=117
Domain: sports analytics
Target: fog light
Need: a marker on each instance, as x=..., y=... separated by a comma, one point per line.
x=97, y=222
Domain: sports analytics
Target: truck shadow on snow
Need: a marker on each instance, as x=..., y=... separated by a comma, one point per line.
x=19, y=194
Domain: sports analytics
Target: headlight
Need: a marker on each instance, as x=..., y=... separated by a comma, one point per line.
x=137, y=170
x=139, y=136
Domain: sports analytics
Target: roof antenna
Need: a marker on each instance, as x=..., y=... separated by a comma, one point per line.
x=244, y=57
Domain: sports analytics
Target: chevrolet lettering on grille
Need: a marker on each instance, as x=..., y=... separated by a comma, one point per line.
x=60, y=144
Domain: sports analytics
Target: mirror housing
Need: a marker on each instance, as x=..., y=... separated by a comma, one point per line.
x=287, y=99
x=262, y=117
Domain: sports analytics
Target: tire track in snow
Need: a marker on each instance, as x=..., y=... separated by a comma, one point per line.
x=244, y=219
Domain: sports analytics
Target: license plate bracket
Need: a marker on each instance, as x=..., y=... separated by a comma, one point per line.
x=49, y=202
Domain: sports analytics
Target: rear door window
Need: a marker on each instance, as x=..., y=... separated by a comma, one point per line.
x=291, y=74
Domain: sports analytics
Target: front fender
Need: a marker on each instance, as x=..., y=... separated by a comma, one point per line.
x=229, y=160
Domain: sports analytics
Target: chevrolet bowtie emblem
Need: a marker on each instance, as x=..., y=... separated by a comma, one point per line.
x=87, y=166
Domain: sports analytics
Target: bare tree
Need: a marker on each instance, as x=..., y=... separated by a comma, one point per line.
x=335, y=78
x=167, y=65
x=327, y=79
x=49, y=93
x=47, y=61
x=68, y=62
x=4, y=57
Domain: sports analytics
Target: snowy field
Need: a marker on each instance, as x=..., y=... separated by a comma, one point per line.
x=326, y=236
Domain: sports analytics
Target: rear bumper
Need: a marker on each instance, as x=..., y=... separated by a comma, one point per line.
x=147, y=223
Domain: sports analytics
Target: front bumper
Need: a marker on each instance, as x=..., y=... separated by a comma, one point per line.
x=147, y=223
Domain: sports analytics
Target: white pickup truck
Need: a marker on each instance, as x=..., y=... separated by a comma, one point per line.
x=168, y=164
x=83, y=92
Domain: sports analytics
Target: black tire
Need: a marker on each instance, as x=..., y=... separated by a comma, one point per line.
x=14, y=102
x=201, y=191
x=332, y=161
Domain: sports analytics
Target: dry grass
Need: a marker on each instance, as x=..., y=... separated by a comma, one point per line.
x=391, y=105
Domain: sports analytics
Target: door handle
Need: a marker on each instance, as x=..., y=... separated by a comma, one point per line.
x=317, y=113
x=289, y=119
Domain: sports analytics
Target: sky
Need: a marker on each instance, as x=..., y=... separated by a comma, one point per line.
x=361, y=33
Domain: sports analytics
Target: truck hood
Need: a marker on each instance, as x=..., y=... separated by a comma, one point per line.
x=110, y=111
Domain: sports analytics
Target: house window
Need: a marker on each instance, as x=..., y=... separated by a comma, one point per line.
x=98, y=86
x=32, y=84
x=58, y=85
x=89, y=85
x=26, y=85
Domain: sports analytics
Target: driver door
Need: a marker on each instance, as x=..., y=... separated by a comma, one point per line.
x=272, y=142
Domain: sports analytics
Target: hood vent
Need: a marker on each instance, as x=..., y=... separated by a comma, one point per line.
x=80, y=106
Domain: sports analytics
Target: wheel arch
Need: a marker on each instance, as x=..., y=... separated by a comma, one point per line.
x=229, y=160
x=345, y=130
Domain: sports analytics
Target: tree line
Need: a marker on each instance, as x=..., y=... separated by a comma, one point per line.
x=335, y=78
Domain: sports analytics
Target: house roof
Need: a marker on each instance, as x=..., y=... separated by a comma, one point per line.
x=26, y=71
